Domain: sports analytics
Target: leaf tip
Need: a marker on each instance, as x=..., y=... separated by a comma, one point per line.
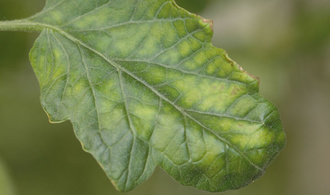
x=208, y=22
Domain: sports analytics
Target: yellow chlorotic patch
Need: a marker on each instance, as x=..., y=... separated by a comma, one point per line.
x=80, y=87
x=57, y=53
x=192, y=97
x=180, y=28
x=170, y=57
x=200, y=57
x=261, y=138
x=166, y=128
x=243, y=106
x=258, y=155
x=56, y=16
x=190, y=65
x=164, y=12
x=60, y=71
x=170, y=92
x=123, y=48
x=236, y=90
x=185, y=84
x=96, y=21
x=170, y=37
x=214, y=96
x=194, y=44
x=224, y=69
x=184, y=48
x=200, y=35
x=245, y=127
x=208, y=102
x=211, y=68
x=225, y=124
x=158, y=75
x=149, y=48
x=242, y=76
x=116, y=116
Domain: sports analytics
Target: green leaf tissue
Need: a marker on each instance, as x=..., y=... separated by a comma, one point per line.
x=143, y=86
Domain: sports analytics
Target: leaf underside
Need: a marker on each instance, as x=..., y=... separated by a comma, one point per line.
x=143, y=86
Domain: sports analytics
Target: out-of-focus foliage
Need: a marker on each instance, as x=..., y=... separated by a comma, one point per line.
x=284, y=42
x=6, y=187
x=194, y=6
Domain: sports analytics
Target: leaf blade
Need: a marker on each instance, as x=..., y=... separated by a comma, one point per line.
x=139, y=97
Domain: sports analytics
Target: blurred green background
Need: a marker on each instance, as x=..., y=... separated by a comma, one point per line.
x=284, y=42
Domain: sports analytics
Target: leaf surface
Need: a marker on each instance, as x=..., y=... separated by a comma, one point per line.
x=143, y=86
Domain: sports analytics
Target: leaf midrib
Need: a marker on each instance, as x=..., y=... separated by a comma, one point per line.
x=117, y=66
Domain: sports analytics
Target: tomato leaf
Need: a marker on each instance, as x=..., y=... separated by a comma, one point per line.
x=143, y=86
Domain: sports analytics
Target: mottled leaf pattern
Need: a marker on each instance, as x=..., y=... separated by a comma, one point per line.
x=143, y=86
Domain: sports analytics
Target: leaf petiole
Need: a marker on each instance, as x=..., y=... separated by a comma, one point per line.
x=20, y=25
